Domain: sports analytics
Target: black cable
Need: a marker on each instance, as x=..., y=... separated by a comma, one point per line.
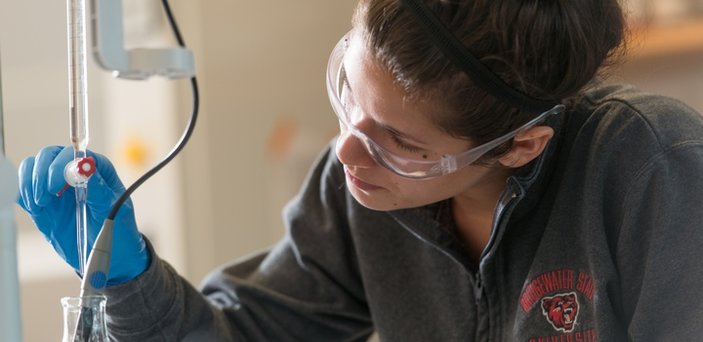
x=184, y=137
x=172, y=23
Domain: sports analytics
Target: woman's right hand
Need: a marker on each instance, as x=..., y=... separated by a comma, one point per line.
x=52, y=207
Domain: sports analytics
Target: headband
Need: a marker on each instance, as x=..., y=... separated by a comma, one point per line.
x=462, y=58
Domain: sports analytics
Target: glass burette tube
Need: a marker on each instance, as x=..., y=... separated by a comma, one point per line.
x=78, y=118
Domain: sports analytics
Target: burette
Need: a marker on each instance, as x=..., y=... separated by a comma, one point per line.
x=79, y=170
x=141, y=63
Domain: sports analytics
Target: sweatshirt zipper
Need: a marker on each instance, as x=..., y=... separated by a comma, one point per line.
x=505, y=201
x=505, y=204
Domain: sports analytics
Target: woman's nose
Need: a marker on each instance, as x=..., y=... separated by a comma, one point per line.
x=351, y=151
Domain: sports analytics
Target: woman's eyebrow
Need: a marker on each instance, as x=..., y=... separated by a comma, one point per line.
x=389, y=129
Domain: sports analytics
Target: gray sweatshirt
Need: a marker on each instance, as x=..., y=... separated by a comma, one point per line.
x=596, y=240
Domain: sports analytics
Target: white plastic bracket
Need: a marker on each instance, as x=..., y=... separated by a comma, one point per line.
x=136, y=64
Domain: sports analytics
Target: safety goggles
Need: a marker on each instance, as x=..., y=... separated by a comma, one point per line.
x=384, y=150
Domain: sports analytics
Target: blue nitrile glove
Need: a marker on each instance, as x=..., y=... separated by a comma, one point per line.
x=41, y=178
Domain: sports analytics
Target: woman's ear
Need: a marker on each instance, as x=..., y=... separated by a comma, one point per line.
x=527, y=145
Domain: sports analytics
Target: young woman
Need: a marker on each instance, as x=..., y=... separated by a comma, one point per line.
x=484, y=186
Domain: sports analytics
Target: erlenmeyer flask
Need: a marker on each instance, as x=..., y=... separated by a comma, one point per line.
x=84, y=319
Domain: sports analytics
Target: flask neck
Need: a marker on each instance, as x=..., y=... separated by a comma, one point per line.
x=84, y=319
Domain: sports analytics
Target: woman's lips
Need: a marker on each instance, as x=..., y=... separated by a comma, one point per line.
x=360, y=184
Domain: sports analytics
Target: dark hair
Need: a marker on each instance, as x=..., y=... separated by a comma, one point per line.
x=546, y=49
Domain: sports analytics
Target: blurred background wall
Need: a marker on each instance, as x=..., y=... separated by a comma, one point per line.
x=264, y=117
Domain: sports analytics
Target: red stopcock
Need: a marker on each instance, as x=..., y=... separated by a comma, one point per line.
x=77, y=172
x=86, y=167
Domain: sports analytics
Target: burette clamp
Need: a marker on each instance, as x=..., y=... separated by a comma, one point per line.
x=78, y=171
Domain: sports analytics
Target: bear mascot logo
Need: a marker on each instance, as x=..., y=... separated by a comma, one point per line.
x=561, y=311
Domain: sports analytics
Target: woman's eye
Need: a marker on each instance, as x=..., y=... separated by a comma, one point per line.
x=404, y=146
x=346, y=100
x=347, y=107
